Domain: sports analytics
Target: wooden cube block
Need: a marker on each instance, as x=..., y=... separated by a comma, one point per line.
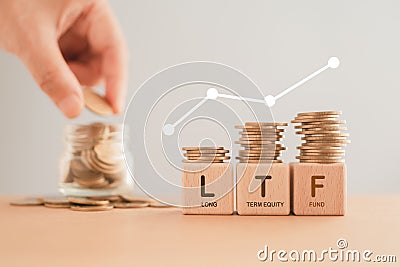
x=318, y=189
x=208, y=188
x=263, y=189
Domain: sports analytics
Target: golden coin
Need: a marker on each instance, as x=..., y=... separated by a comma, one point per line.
x=112, y=198
x=98, y=130
x=86, y=201
x=56, y=200
x=100, y=183
x=258, y=124
x=202, y=161
x=317, y=150
x=261, y=161
x=203, y=148
x=255, y=142
x=314, y=120
x=29, y=201
x=264, y=139
x=321, y=161
x=321, y=152
x=129, y=198
x=160, y=205
x=204, y=155
x=118, y=176
x=319, y=113
x=312, y=132
x=312, y=127
x=318, y=143
x=264, y=131
x=324, y=123
x=257, y=158
x=130, y=205
x=260, y=155
x=57, y=206
x=261, y=134
x=324, y=138
x=319, y=157
x=317, y=117
x=91, y=208
x=328, y=135
x=104, y=167
x=259, y=152
x=208, y=158
x=262, y=149
x=307, y=147
x=213, y=152
x=249, y=128
x=95, y=102
x=109, y=154
x=320, y=127
x=79, y=169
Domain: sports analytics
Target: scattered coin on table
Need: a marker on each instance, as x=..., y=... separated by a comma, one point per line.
x=89, y=204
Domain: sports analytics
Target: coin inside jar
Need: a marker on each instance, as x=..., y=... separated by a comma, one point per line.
x=94, y=159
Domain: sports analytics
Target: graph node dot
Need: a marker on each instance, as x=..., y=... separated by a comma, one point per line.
x=212, y=93
x=168, y=129
x=333, y=62
x=270, y=100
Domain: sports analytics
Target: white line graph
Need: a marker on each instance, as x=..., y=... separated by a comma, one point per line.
x=268, y=100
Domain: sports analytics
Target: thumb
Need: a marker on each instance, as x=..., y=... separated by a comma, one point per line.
x=55, y=78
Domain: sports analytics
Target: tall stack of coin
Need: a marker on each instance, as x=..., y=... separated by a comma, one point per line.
x=323, y=136
x=261, y=142
x=205, y=154
x=94, y=157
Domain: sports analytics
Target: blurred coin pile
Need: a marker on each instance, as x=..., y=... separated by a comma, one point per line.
x=100, y=203
x=323, y=136
x=261, y=142
x=94, y=156
x=205, y=154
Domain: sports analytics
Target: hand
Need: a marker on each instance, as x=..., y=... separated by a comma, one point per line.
x=66, y=44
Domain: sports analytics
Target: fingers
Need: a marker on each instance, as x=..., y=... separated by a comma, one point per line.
x=88, y=73
x=114, y=69
x=105, y=38
x=54, y=77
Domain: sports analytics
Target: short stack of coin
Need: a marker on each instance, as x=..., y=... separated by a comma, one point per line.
x=94, y=158
x=205, y=154
x=323, y=136
x=261, y=142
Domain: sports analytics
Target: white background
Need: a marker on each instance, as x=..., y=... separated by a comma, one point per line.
x=276, y=43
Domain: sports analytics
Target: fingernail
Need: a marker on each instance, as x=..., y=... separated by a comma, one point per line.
x=71, y=106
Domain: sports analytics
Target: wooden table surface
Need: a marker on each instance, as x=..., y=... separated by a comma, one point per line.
x=39, y=236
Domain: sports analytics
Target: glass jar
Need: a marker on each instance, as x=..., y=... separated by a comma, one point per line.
x=93, y=162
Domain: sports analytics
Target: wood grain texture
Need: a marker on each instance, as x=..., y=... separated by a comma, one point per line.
x=326, y=181
x=218, y=182
x=39, y=236
x=269, y=198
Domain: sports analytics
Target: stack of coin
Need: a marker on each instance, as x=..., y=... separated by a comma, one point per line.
x=323, y=136
x=261, y=142
x=94, y=157
x=99, y=203
x=205, y=154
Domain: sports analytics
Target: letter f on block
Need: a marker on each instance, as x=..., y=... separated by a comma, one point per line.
x=314, y=185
